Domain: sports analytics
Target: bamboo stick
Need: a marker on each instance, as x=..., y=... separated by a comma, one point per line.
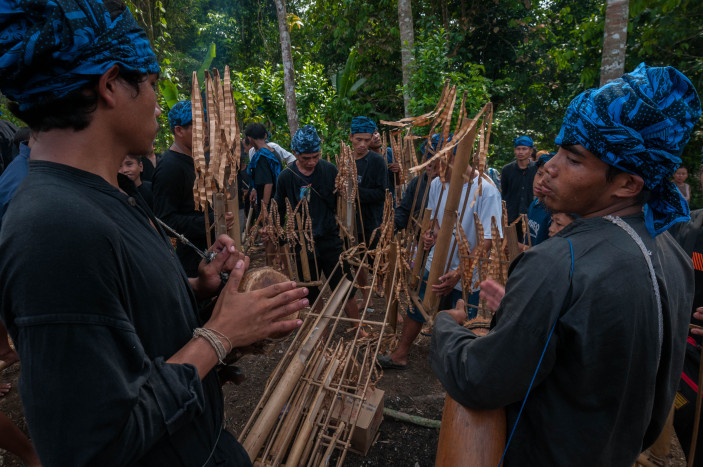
x=304, y=264
x=219, y=206
x=461, y=162
x=257, y=436
x=234, y=232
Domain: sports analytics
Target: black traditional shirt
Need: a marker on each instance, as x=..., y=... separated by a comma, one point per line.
x=603, y=390
x=96, y=302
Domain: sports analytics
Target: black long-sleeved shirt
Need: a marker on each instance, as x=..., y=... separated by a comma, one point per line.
x=372, y=175
x=516, y=188
x=96, y=306
x=319, y=188
x=172, y=186
x=402, y=212
x=603, y=390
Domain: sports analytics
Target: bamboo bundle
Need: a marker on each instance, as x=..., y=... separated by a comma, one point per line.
x=212, y=185
x=347, y=187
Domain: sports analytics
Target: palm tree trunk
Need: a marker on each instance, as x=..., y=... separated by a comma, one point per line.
x=407, y=39
x=288, y=70
x=614, y=40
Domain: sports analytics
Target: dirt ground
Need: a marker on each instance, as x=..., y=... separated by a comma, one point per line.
x=415, y=391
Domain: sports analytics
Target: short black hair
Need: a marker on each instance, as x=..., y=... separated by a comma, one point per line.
x=256, y=131
x=611, y=172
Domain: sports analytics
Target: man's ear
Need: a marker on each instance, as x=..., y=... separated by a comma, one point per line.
x=628, y=185
x=107, y=85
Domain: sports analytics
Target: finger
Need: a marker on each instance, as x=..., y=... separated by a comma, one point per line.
x=285, y=310
x=224, y=243
x=236, y=274
x=460, y=305
x=697, y=332
x=284, y=327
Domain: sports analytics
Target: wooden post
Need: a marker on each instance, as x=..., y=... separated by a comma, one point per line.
x=304, y=264
x=388, y=291
x=421, y=253
x=470, y=438
x=446, y=230
x=219, y=206
x=267, y=419
x=234, y=232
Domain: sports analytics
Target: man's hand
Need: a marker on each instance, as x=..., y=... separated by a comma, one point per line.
x=458, y=312
x=208, y=282
x=229, y=219
x=446, y=283
x=246, y=318
x=394, y=167
x=493, y=293
x=698, y=314
x=428, y=239
x=252, y=195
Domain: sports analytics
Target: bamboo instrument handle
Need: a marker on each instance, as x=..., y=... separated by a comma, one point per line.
x=470, y=438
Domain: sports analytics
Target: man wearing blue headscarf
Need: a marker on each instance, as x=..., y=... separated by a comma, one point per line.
x=372, y=177
x=116, y=362
x=516, y=179
x=172, y=186
x=313, y=179
x=587, y=343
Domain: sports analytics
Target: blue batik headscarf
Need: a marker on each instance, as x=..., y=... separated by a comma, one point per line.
x=640, y=124
x=523, y=141
x=362, y=125
x=436, y=141
x=49, y=48
x=275, y=163
x=180, y=114
x=544, y=158
x=305, y=141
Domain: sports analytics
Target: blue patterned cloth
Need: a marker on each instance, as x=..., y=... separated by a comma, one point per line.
x=362, y=125
x=180, y=114
x=49, y=48
x=544, y=158
x=305, y=141
x=436, y=141
x=639, y=124
x=523, y=141
x=263, y=152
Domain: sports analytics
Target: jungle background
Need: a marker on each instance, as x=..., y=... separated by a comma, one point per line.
x=530, y=58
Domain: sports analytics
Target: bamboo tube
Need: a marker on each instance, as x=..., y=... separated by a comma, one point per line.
x=305, y=266
x=388, y=289
x=420, y=254
x=308, y=424
x=446, y=231
x=234, y=233
x=219, y=206
x=257, y=436
x=470, y=438
x=333, y=441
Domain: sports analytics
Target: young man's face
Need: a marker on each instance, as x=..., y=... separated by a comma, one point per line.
x=537, y=182
x=575, y=181
x=360, y=144
x=141, y=117
x=376, y=140
x=132, y=168
x=308, y=162
x=522, y=153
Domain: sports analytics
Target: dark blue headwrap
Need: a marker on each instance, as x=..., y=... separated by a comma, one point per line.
x=544, y=158
x=640, y=124
x=49, y=48
x=362, y=125
x=523, y=141
x=274, y=163
x=436, y=143
x=180, y=114
x=305, y=140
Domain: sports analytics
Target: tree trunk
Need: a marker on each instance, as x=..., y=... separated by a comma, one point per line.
x=614, y=41
x=407, y=39
x=288, y=70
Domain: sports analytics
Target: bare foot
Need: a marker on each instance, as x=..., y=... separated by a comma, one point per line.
x=4, y=388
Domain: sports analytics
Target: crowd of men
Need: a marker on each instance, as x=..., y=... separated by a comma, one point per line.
x=587, y=344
